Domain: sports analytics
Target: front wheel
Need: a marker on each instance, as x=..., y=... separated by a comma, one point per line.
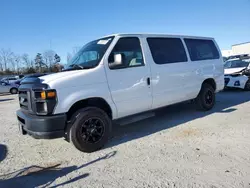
x=247, y=85
x=13, y=90
x=206, y=99
x=90, y=129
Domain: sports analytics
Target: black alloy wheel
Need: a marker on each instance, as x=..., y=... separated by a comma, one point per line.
x=92, y=130
x=209, y=97
x=206, y=99
x=89, y=129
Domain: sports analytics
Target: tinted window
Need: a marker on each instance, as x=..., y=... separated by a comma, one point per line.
x=167, y=50
x=201, y=49
x=130, y=49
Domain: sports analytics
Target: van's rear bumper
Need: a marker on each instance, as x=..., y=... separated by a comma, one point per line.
x=41, y=127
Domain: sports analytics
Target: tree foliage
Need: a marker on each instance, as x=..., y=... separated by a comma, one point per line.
x=11, y=63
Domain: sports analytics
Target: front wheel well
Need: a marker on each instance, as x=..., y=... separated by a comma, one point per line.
x=90, y=102
x=211, y=82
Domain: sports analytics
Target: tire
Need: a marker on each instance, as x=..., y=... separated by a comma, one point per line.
x=247, y=85
x=87, y=125
x=13, y=90
x=206, y=99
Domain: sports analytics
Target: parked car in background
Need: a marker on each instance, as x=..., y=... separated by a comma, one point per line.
x=36, y=75
x=225, y=59
x=8, y=87
x=237, y=73
x=10, y=80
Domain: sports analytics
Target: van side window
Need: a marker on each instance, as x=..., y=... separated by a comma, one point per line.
x=130, y=50
x=200, y=49
x=167, y=50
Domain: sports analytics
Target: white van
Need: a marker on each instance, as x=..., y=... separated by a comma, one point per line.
x=115, y=77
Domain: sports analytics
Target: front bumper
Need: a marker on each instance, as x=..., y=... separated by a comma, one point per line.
x=41, y=127
x=236, y=81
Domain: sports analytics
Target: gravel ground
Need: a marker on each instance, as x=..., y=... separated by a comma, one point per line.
x=180, y=147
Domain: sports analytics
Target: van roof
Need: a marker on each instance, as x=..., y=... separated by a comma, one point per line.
x=157, y=35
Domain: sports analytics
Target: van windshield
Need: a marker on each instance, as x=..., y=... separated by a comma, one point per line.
x=90, y=55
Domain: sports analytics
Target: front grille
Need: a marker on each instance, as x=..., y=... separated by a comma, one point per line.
x=226, y=81
x=24, y=100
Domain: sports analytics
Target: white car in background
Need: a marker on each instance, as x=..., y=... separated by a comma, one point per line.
x=237, y=73
x=8, y=88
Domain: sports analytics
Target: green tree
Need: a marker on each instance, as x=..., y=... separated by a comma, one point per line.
x=39, y=62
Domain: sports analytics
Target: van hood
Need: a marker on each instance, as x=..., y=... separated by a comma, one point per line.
x=55, y=76
x=75, y=78
x=233, y=70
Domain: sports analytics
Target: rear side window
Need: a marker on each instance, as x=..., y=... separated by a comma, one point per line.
x=200, y=49
x=167, y=50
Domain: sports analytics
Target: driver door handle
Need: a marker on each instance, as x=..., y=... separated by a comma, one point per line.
x=148, y=81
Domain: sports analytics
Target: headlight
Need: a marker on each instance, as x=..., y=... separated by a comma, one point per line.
x=46, y=94
x=246, y=72
x=45, y=102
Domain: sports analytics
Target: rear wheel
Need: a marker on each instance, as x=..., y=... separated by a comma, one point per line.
x=13, y=90
x=90, y=129
x=247, y=85
x=206, y=99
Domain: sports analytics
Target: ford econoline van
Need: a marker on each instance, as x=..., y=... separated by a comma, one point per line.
x=118, y=77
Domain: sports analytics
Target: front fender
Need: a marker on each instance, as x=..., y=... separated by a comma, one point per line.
x=69, y=96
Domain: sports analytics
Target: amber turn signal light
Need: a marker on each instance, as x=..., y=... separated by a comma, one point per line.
x=48, y=94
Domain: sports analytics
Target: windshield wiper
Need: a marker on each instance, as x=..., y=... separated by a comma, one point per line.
x=76, y=66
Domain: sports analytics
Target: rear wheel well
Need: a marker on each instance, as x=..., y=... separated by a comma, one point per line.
x=90, y=102
x=211, y=82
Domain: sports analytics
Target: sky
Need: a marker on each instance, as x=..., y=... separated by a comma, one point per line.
x=32, y=26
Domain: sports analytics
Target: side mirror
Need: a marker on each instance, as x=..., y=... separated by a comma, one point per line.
x=118, y=61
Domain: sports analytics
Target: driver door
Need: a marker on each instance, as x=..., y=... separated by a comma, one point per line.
x=129, y=83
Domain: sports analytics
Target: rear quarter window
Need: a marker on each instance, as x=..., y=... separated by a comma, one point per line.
x=200, y=49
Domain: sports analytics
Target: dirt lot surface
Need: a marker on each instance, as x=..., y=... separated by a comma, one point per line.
x=180, y=147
